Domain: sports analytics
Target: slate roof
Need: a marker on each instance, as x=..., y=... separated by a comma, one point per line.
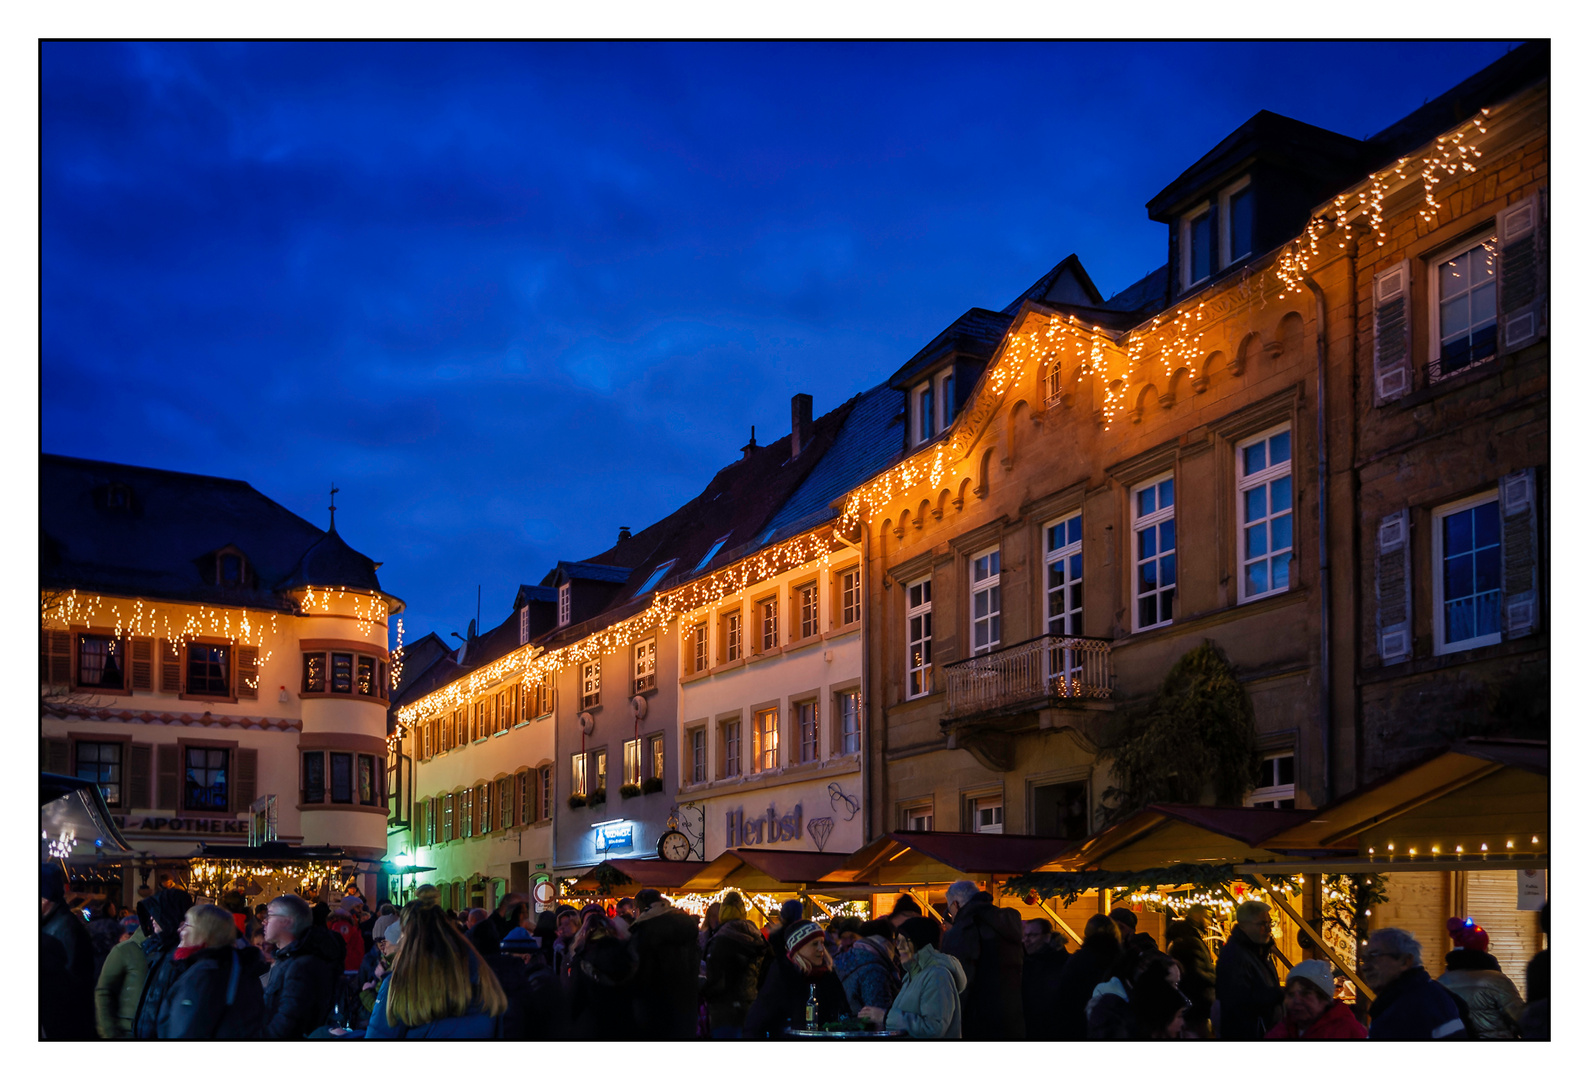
x=976, y=333
x=592, y=571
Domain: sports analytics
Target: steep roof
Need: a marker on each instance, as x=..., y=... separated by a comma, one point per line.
x=976, y=333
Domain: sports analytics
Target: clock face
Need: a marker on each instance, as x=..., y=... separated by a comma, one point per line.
x=674, y=846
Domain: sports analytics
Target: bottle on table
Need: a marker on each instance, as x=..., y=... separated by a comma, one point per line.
x=811, y=1009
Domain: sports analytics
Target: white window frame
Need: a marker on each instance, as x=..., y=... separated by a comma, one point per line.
x=1226, y=238
x=579, y=775
x=733, y=636
x=1153, y=520
x=943, y=394
x=1191, y=215
x=733, y=743
x=922, y=433
x=918, y=676
x=1066, y=554
x=764, y=740
x=547, y=792
x=565, y=603
x=633, y=760
x=1437, y=573
x=524, y=624
x=698, y=762
x=645, y=665
x=1264, y=478
x=995, y=805
x=700, y=648
x=590, y=684
x=849, y=596
x=810, y=597
x=768, y=611
x=988, y=586
x=808, y=721
x=656, y=762
x=1432, y=263
x=1274, y=792
x=848, y=711
x=916, y=817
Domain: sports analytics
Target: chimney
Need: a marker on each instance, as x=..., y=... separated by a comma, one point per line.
x=623, y=533
x=799, y=424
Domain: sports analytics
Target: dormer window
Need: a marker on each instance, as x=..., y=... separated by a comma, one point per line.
x=656, y=576
x=565, y=604
x=1235, y=209
x=231, y=569
x=1216, y=233
x=932, y=406
x=711, y=553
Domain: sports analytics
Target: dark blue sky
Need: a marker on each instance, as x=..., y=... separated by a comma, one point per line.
x=512, y=296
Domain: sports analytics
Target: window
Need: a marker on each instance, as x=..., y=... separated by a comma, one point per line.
x=528, y=804
x=645, y=665
x=314, y=673
x=524, y=624
x=769, y=624
x=985, y=601
x=1062, y=555
x=565, y=604
x=600, y=770
x=849, y=712
x=432, y=806
x=916, y=818
x=101, y=763
x=711, y=552
x=590, y=685
x=100, y=662
x=229, y=569
x=655, y=755
x=924, y=413
x=1467, y=579
x=577, y=775
x=209, y=669
x=341, y=778
x=1463, y=305
x=946, y=399
x=1202, y=251
x=699, y=657
x=849, y=596
x=1235, y=211
x=731, y=743
x=764, y=754
x=341, y=673
x=206, y=780
x=1263, y=486
x=1197, y=246
x=1060, y=810
x=918, y=638
x=1277, y=782
x=466, y=813
x=656, y=577
x=505, y=802
x=449, y=818
x=427, y=739
x=806, y=600
x=1153, y=538
x=806, y=717
x=546, y=793
x=537, y=699
x=335, y=673
x=631, y=761
x=698, y=756
x=314, y=776
x=369, y=784
x=987, y=815
x=733, y=643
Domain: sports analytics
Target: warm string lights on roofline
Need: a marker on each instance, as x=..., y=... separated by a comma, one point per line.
x=369, y=609
x=396, y=666
x=122, y=618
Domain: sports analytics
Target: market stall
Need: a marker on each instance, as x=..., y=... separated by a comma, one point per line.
x=77, y=830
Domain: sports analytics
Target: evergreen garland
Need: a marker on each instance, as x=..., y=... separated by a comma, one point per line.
x=1068, y=885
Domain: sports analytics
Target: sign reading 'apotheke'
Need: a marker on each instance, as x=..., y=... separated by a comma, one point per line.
x=183, y=825
x=762, y=829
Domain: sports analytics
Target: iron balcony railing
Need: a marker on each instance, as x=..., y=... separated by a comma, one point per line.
x=1048, y=668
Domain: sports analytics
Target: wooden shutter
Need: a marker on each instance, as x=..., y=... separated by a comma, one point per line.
x=58, y=756
x=1521, y=310
x=141, y=653
x=55, y=658
x=1393, y=588
x=139, y=774
x=245, y=781
x=247, y=671
x=167, y=766
x=1392, y=342
x=1519, y=538
x=170, y=673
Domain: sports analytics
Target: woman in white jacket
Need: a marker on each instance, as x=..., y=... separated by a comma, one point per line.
x=928, y=1004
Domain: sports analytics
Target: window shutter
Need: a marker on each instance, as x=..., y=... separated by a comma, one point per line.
x=55, y=658
x=1519, y=574
x=142, y=665
x=167, y=757
x=246, y=782
x=1520, y=231
x=1392, y=362
x=170, y=674
x=1392, y=588
x=58, y=756
x=139, y=769
x=247, y=671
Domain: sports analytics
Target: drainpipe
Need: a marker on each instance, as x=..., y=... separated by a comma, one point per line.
x=1325, y=695
x=867, y=796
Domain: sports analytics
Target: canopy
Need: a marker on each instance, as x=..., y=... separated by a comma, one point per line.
x=938, y=858
x=1166, y=834
x=75, y=821
x=625, y=877
x=765, y=870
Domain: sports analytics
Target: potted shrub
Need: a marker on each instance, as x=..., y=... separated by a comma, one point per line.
x=576, y=801
x=629, y=791
x=598, y=796
x=650, y=784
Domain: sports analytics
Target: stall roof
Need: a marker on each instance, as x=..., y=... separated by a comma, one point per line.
x=908, y=858
x=1165, y=834
x=67, y=803
x=642, y=874
x=275, y=851
x=765, y=870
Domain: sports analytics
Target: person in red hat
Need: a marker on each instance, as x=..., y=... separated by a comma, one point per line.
x=1495, y=1008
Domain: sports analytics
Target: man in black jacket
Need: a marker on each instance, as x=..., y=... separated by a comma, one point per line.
x=58, y=921
x=667, y=948
x=987, y=941
x=166, y=908
x=1246, y=988
x=1045, y=959
x=1184, y=942
x=303, y=981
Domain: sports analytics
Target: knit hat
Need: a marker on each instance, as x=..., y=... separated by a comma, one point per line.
x=379, y=929
x=129, y=924
x=799, y=933
x=791, y=912
x=393, y=932
x=1467, y=934
x=920, y=932
x=520, y=940
x=732, y=907
x=350, y=902
x=1317, y=972
x=1127, y=920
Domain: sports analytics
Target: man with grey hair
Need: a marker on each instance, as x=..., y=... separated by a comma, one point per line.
x=303, y=981
x=1246, y=989
x=986, y=939
x=1408, y=1004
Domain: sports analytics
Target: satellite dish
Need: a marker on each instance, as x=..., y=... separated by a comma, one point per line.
x=638, y=705
x=587, y=723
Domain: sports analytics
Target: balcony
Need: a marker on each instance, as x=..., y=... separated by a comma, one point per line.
x=1044, y=670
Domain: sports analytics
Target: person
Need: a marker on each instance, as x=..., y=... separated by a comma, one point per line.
x=1116, y=1012
x=1158, y=1009
x=377, y=965
x=843, y=933
x=986, y=939
x=1045, y=959
x=474, y=917
x=709, y=923
x=1246, y=989
x=601, y=985
x=626, y=910
x=166, y=907
x=121, y=981
x=667, y=969
x=803, y=968
x=344, y=922
x=904, y=908
x=303, y=978
x=1186, y=941
x=214, y=998
x=105, y=931
x=735, y=956
x=1087, y=967
x=1311, y=1011
x=1536, y=984
x=868, y=968
x=568, y=926
x=536, y=1009
x=511, y=914
x=1408, y=1003
x=1495, y=1008
x=58, y=921
x=439, y=988
x=929, y=1002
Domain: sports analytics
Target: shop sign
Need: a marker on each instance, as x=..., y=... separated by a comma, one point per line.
x=766, y=828
x=615, y=836
x=182, y=825
x=1531, y=886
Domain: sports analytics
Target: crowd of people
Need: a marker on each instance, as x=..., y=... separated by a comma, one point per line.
x=646, y=970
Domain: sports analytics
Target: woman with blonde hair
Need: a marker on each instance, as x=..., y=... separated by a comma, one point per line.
x=217, y=996
x=439, y=987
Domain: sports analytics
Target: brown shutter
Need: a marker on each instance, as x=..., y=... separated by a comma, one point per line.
x=1519, y=539
x=139, y=769
x=58, y=756
x=55, y=658
x=1392, y=344
x=247, y=671
x=167, y=766
x=1392, y=588
x=170, y=672
x=1522, y=306
x=142, y=666
x=246, y=781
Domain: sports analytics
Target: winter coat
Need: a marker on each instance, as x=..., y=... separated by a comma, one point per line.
x=1186, y=946
x=667, y=973
x=1415, y=1007
x=1039, y=988
x=70, y=930
x=601, y=991
x=928, y=1005
x=537, y=1011
x=119, y=987
x=1247, y=988
x=61, y=1015
x=868, y=974
x=167, y=907
x=1494, y=1006
x=735, y=957
x=1109, y=1012
x=1336, y=1022
x=1082, y=972
x=987, y=941
x=474, y=1024
x=105, y=934
x=782, y=1001
x=214, y=999
x=302, y=985
x=342, y=924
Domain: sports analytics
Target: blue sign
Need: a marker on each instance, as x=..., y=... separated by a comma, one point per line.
x=618, y=836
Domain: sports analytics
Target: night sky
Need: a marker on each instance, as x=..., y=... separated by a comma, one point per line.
x=509, y=297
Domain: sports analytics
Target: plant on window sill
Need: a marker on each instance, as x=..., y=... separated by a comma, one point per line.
x=576, y=801
x=598, y=796
x=629, y=791
x=651, y=784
